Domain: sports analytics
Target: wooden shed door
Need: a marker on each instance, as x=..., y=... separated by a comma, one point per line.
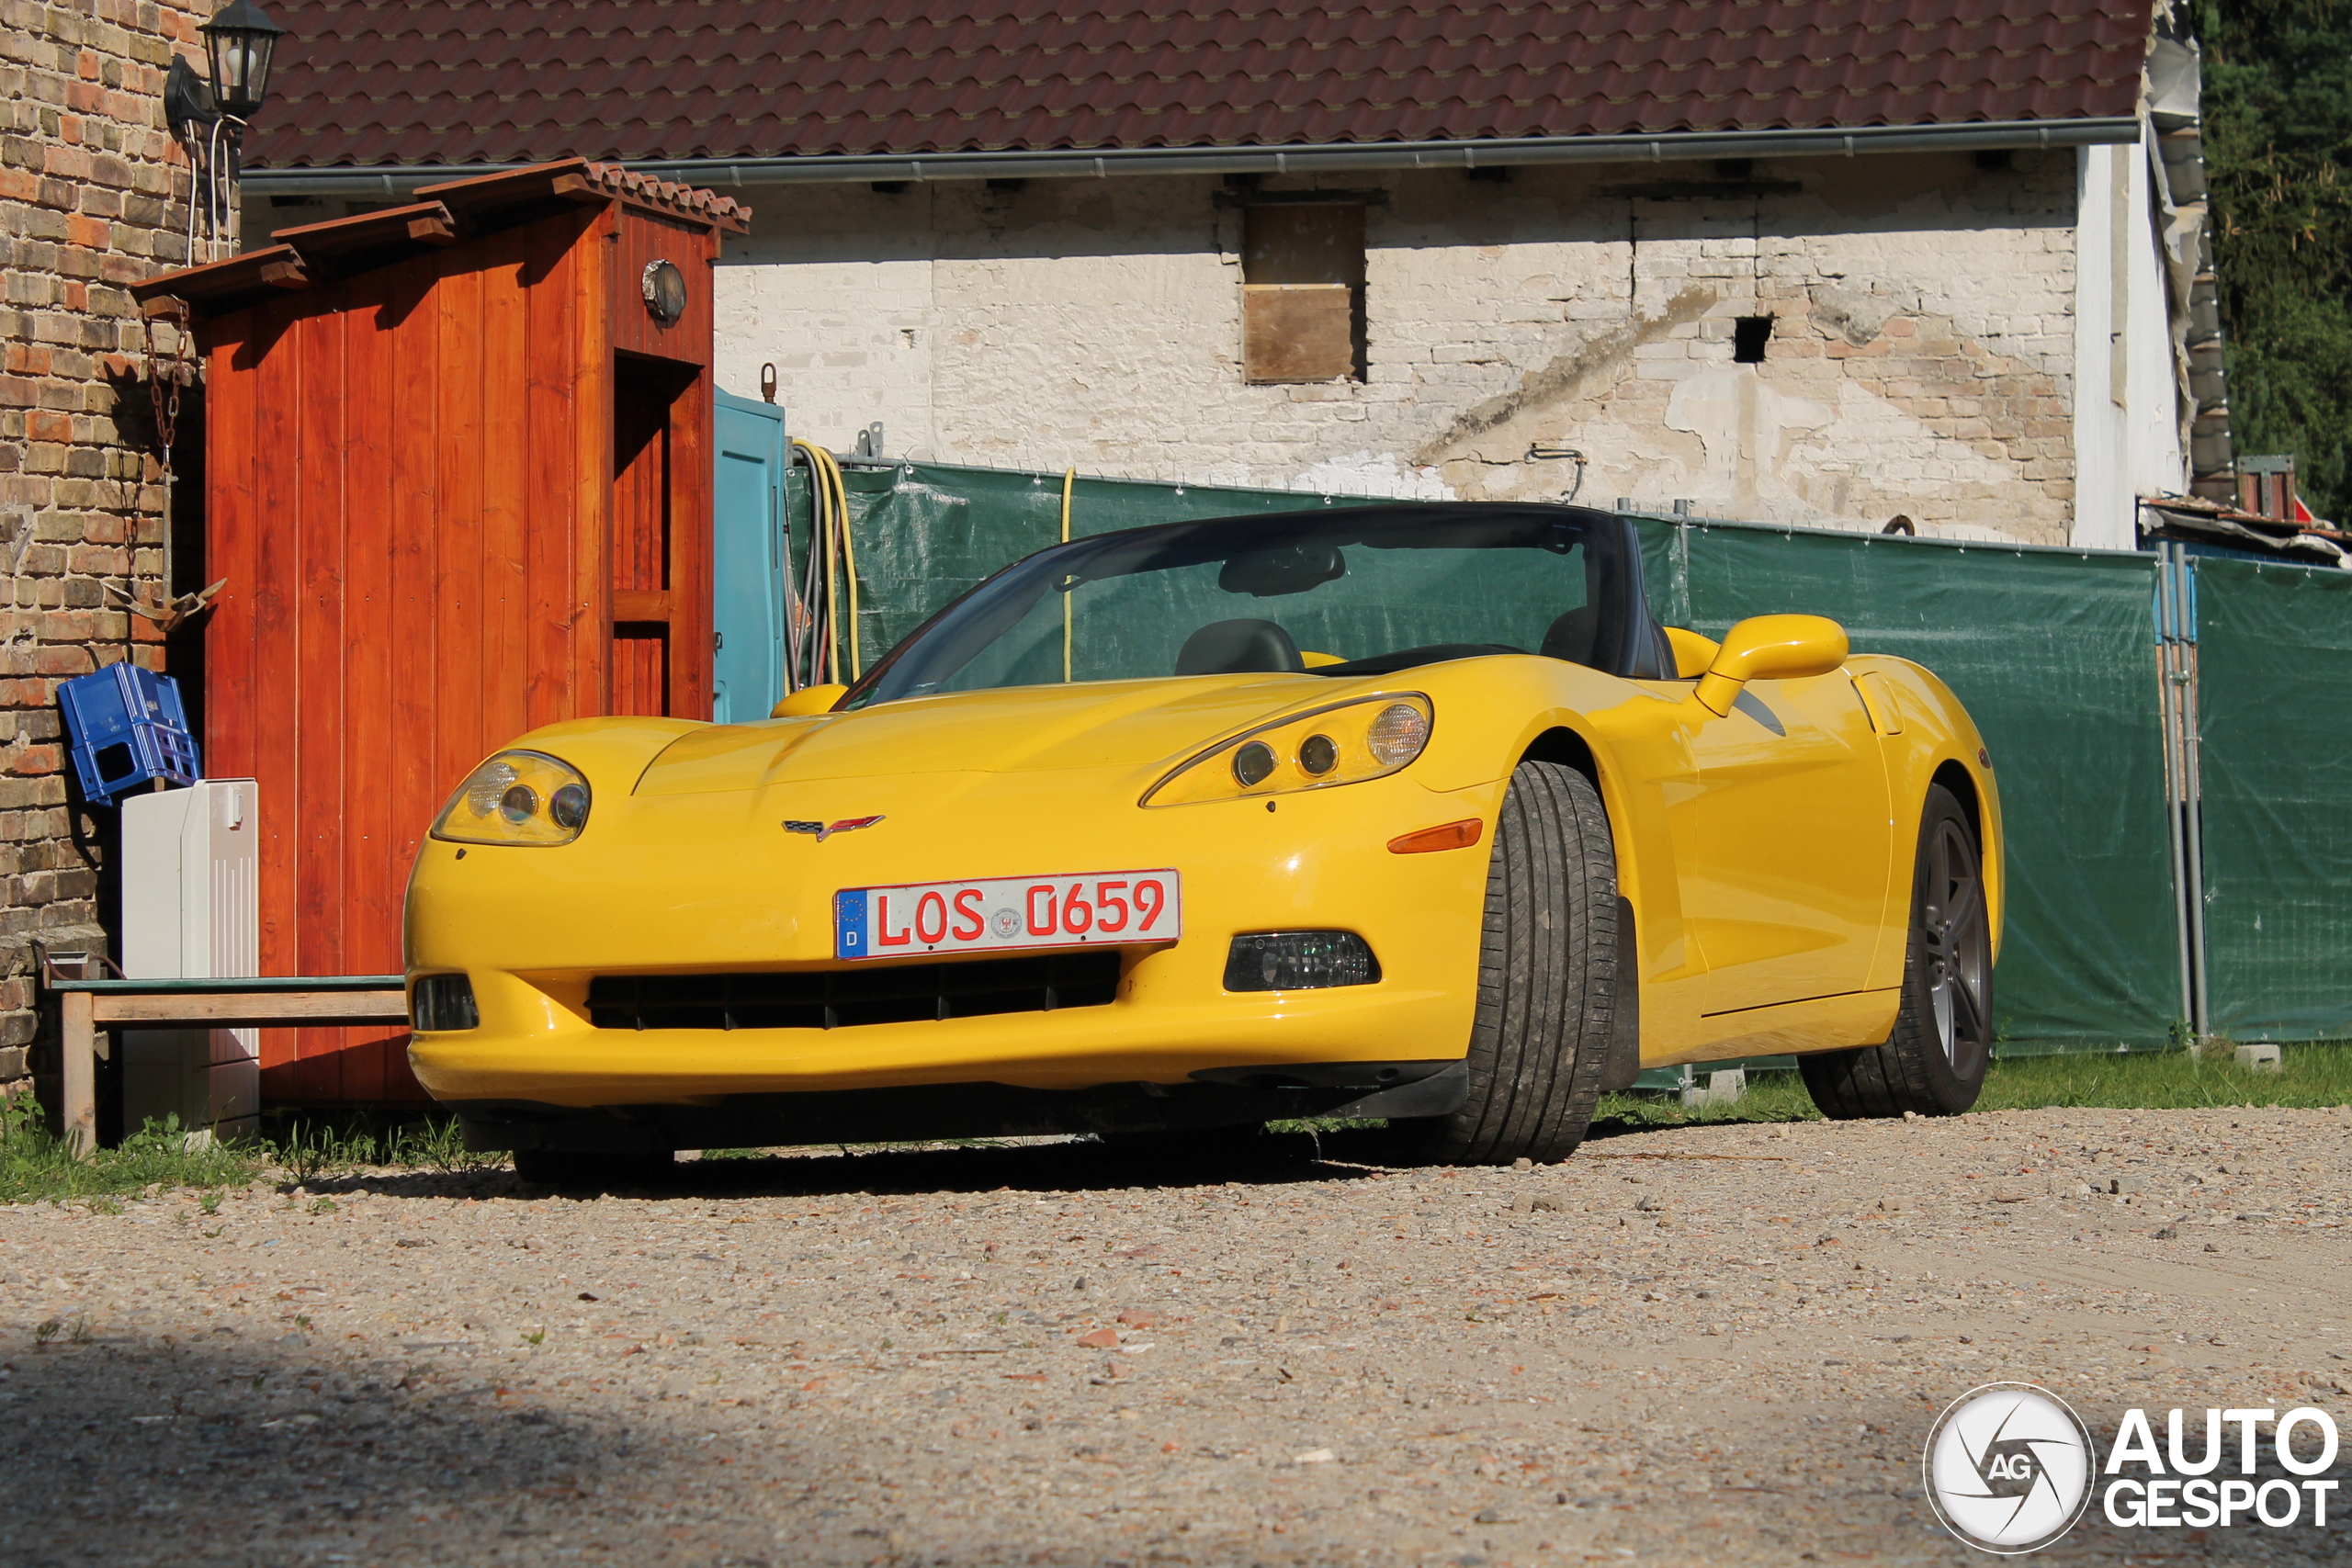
x=657, y=460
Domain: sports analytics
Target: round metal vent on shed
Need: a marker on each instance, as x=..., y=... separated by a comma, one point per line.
x=665, y=292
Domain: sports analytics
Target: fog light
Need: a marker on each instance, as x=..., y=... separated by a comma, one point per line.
x=440, y=1003
x=1299, y=961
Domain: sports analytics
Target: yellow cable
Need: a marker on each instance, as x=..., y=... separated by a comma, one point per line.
x=849, y=562
x=821, y=529
x=1070, y=478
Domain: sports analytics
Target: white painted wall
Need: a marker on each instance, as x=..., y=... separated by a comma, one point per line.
x=2127, y=432
x=1923, y=360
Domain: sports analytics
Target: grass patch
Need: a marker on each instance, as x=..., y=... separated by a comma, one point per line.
x=1771, y=1097
x=2315, y=1075
x=35, y=1165
x=2319, y=1073
x=310, y=1148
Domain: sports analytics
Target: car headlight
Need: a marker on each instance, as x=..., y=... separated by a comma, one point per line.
x=1346, y=743
x=517, y=797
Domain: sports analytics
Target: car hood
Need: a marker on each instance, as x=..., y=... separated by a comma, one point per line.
x=1016, y=729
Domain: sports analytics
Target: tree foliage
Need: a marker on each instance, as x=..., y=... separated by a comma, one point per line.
x=2278, y=133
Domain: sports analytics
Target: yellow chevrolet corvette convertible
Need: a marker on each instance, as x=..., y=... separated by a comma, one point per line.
x=1409, y=813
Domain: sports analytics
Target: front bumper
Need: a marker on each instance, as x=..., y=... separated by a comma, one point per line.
x=711, y=884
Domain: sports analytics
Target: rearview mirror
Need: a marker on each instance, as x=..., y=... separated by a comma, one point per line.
x=1770, y=647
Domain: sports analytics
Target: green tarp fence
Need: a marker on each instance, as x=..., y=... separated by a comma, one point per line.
x=2274, y=684
x=2052, y=650
x=926, y=532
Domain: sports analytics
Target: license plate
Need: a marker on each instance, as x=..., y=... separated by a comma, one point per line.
x=1007, y=914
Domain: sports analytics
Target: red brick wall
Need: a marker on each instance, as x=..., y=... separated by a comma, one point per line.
x=93, y=197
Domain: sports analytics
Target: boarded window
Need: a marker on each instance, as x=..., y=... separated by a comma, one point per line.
x=1302, y=291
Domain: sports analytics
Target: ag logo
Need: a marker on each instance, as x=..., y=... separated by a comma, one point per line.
x=2008, y=1468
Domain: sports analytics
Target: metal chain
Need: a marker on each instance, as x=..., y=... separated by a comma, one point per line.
x=164, y=385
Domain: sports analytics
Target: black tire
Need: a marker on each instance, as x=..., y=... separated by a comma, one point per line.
x=573, y=1167
x=1547, y=982
x=1934, y=1062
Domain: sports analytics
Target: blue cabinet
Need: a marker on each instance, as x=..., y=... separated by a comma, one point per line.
x=748, y=559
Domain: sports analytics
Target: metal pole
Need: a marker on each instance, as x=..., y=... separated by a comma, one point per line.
x=2170, y=678
x=2193, y=772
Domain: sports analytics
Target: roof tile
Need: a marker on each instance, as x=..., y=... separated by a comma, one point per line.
x=377, y=81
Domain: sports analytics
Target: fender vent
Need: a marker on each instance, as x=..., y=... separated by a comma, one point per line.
x=845, y=998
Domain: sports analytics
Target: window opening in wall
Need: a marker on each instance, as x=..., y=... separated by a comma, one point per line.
x=1748, y=336
x=1302, y=291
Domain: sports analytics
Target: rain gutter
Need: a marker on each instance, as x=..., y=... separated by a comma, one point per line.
x=398, y=180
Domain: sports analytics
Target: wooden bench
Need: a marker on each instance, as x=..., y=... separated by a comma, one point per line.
x=93, y=1006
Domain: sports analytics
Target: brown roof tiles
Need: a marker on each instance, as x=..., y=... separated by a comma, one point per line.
x=383, y=81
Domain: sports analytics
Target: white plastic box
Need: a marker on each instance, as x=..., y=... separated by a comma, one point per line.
x=190, y=910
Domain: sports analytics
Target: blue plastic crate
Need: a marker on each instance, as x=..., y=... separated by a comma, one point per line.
x=128, y=729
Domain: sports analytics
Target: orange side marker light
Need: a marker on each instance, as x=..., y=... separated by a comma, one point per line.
x=1448, y=836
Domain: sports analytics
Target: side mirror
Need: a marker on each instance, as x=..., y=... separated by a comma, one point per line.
x=1692, y=653
x=808, y=700
x=1770, y=647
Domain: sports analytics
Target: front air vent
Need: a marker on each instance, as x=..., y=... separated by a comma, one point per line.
x=845, y=998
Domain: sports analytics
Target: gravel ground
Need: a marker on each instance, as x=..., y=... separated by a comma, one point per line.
x=1712, y=1344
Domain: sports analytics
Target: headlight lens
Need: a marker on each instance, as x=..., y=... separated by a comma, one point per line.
x=517, y=797
x=1346, y=743
x=1397, y=733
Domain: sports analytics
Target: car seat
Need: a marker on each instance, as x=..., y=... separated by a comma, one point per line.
x=1239, y=647
x=1571, y=636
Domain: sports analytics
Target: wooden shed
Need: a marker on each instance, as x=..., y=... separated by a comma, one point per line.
x=458, y=481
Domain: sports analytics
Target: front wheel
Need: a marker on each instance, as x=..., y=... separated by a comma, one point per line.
x=1547, y=982
x=1934, y=1062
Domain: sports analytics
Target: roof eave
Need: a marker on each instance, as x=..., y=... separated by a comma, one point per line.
x=395, y=180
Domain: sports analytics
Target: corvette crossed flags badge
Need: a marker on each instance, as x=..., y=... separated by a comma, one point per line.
x=823, y=831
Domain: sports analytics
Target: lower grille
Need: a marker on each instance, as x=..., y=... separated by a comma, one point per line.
x=844, y=998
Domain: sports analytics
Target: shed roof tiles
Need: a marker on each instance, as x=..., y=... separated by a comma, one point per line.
x=370, y=83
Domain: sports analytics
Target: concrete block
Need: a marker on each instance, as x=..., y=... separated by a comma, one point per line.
x=1718, y=1088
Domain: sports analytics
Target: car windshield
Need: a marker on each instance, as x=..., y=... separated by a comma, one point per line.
x=1362, y=591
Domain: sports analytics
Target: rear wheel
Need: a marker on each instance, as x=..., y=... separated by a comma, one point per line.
x=1547, y=981
x=1934, y=1062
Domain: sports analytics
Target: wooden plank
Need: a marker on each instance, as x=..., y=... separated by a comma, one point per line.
x=320, y=642
x=640, y=668
x=640, y=604
x=550, y=413
x=231, y=429
x=646, y=238
x=1297, y=332
x=505, y=487
x=78, y=1093
x=373, y=879
x=245, y=1010
x=413, y=778
x=591, y=632
x=217, y=288
x=192, y=985
x=691, y=434
x=481, y=198
x=457, y=568
x=271, y=694
x=372, y=239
